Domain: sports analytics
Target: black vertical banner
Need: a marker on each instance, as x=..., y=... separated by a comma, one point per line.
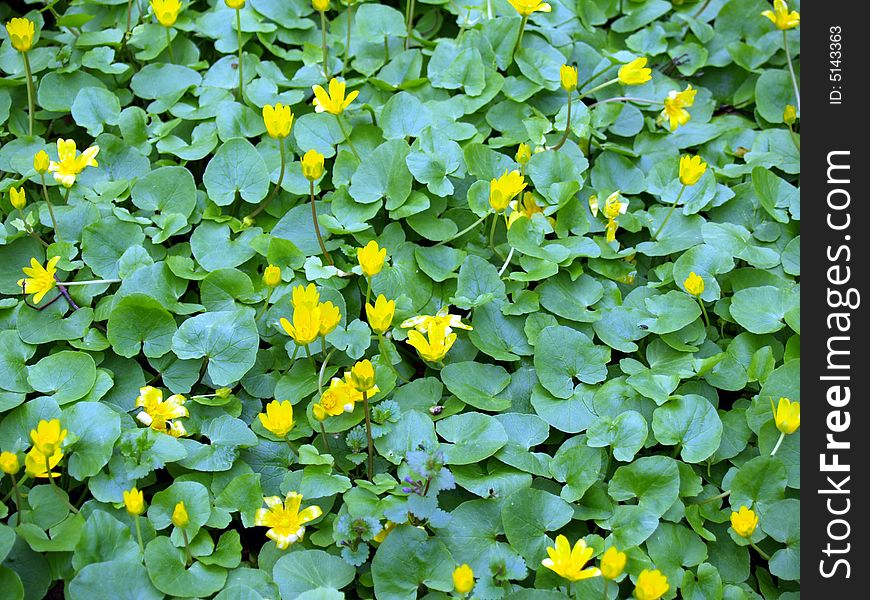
x=834, y=168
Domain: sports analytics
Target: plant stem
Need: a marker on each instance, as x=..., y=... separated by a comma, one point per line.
x=702, y=9
x=241, y=75
x=624, y=99
x=89, y=282
x=347, y=137
x=139, y=534
x=323, y=37
x=277, y=187
x=519, y=37
x=322, y=372
x=262, y=310
x=371, y=460
x=599, y=87
x=761, y=552
x=308, y=354
x=33, y=234
x=797, y=93
x=50, y=209
x=386, y=49
x=30, y=105
x=347, y=43
x=506, y=262
x=410, y=22
x=704, y=310
x=724, y=494
x=325, y=439
x=670, y=212
x=368, y=288
x=567, y=126
x=778, y=443
x=18, y=502
x=492, y=235
x=596, y=75
x=317, y=228
x=169, y=46
x=794, y=138
x=464, y=231
x=189, y=560
x=383, y=350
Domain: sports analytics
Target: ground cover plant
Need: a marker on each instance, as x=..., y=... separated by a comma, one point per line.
x=437, y=299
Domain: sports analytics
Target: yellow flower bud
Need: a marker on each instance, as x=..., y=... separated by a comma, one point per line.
x=371, y=258
x=9, y=463
x=568, y=78
x=17, y=197
x=41, y=162
x=312, y=165
x=180, y=517
x=694, y=284
x=380, y=315
x=330, y=317
x=166, y=11
x=635, y=72
x=787, y=415
x=691, y=169
x=134, y=501
x=651, y=585
x=223, y=392
x=781, y=17
x=362, y=376
x=320, y=5
x=613, y=563
x=463, y=579
x=524, y=154
x=789, y=115
x=271, y=276
x=504, y=189
x=278, y=120
x=21, y=33
x=237, y=4
x=744, y=522
x=278, y=418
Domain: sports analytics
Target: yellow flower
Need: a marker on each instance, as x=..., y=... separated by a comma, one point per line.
x=166, y=11
x=614, y=206
x=278, y=119
x=17, y=197
x=362, y=376
x=9, y=463
x=278, y=418
x=371, y=258
x=40, y=280
x=691, y=169
x=180, y=517
x=568, y=78
x=384, y=532
x=306, y=324
x=380, y=316
x=526, y=209
x=635, y=72
x=285, y=521
x=442, y=318
x=41, y=162
x=779, y=16
x=613, y=563
x=651, y=585
x=69, y=165
x=694, y=284
x=524, y=154
x=744, y=522
x=335, y=102
x=305, y=296
x=48, y=436
x=338, y=398
x=157, y=413
x=20, y=32
x=235, y=3
x=676, y=104
x=272, y=276
x=134, y=501
x=320, y=5
x=34, y=463
x=463, y=579
x=789, y=115
x=330, y=317
x=435, y=345
x=504, y=189
x=567, y=562
x=527, y=7
x=787, y=415
x=312, y=165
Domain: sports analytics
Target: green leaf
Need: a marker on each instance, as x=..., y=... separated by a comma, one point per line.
x=67, y=375
x=166, y=190
x=407, y=559
x=528, y=514
x=140, y=322
x=306, y=570
x=691, y=422
x=477, y=384
x=475, y=437
x=227, y=339
x=383, y=174
x=100, y=580
x=97, y=427
x=653, y=480
x=166, y=569
x=236, y=168
x=478, y=283
x=563, y=354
